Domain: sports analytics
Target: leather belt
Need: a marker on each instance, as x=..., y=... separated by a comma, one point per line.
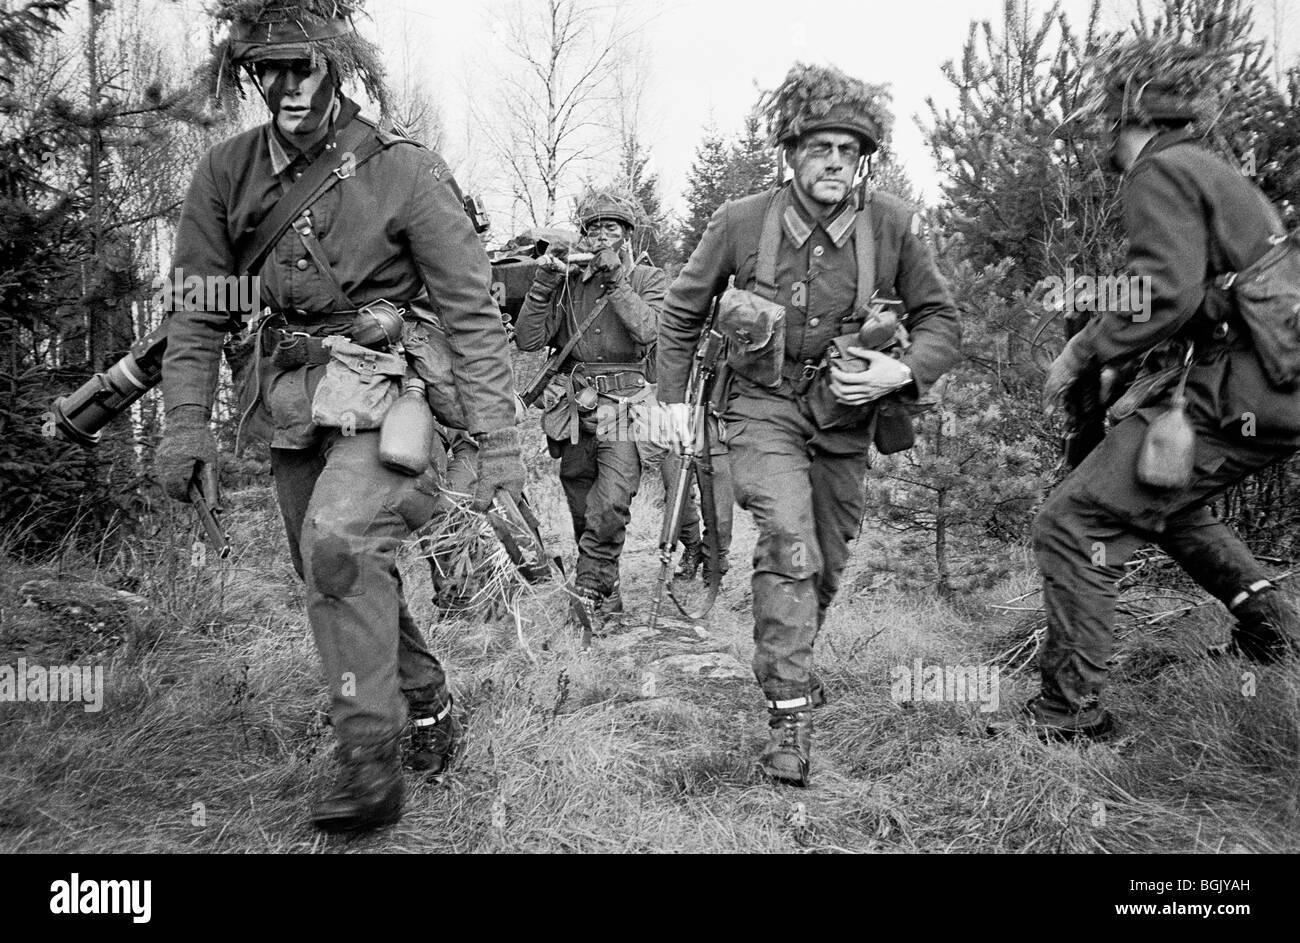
x=622, y=380
x=607, y=377
x=300, y=337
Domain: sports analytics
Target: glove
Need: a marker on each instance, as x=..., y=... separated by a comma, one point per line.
x=500, y=466
x=187, y=443
x=608, y=267
x=1065, y=369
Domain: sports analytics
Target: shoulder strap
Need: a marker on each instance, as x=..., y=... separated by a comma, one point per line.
x=590, y=319
x=864, y=240
x=769, y=244
x=357, y=139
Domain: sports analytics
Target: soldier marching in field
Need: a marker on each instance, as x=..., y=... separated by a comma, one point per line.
x=604, y=312
x=1192, y=221
x=382, y=224
x=808, y=259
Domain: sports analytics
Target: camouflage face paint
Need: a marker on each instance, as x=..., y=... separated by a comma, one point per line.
x=299, y=96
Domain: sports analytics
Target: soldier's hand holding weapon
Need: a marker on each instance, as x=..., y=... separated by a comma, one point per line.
x=1063, y=372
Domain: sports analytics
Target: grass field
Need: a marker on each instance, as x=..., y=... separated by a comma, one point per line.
x=211, y=737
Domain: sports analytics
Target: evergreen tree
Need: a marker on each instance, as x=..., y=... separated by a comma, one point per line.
x=752, y=162
x=706, y=186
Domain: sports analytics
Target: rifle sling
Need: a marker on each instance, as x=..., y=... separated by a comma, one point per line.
x=567, y=349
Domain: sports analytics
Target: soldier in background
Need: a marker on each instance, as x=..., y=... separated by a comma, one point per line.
x=809, y=255
x=600, y=470
x=1191, y=218
x=384, y=231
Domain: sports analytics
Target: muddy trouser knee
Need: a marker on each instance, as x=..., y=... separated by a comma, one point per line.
x=1091, y=526
x=802, y=543
x=345, y=516
x=601, y=476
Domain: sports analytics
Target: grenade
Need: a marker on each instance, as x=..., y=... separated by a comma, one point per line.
x=378, y=324
x=406, y=437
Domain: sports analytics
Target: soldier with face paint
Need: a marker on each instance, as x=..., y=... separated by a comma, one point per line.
x=385, y=233
x=811, y=254
x=600, y=470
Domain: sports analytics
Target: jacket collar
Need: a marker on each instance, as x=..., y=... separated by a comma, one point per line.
x=1167, y=140
x=799, y=219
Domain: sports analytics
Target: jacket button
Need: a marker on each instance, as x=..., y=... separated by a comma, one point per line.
x=813, y=322
x=818, y=250
x=302, y=265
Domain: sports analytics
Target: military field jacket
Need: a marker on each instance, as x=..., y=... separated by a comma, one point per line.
x=1189, y=217
x=819, y=260
x=393, y=227
x=622, y=333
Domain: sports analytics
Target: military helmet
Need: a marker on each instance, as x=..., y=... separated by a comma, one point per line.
x=612, y=201
x=822, y=98
x=1153, y=80
x=315, y=30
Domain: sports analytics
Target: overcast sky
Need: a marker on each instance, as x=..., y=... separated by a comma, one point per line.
x=708, y=57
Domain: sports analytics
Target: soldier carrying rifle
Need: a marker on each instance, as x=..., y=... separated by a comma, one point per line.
x=600, y=314
x=810, y=259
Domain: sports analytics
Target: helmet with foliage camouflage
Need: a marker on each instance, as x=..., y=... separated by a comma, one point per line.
x=612, y=201
x=314, y=30
x=1153, y=80
x=822, y=98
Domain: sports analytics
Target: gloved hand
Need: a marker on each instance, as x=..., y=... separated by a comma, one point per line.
x=500, y=466
x=187, y=442
x=1064, y=370
x=608, y=267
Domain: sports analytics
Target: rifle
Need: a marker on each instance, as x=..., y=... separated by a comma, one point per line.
x=1084, y=408
x=695, y=456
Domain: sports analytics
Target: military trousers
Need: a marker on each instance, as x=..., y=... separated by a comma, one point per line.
x=600, y=475
x=1094, y=522
x=804, y=490
x=345, y=516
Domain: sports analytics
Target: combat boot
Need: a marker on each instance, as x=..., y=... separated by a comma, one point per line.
x=1102, y=727
x=723, y=566
x=584, y=616
x=431, y=741
x=612, y=605
x=787, y=758
x=1267, y=629
x=689, y=563
x=368, y=793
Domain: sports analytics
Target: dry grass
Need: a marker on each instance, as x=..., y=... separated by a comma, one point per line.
x=213, y=707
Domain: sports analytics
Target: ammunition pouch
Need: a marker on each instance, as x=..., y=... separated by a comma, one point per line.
x=754, y=329
x=358, y=386
x=1267, y=296
x=893, y=430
